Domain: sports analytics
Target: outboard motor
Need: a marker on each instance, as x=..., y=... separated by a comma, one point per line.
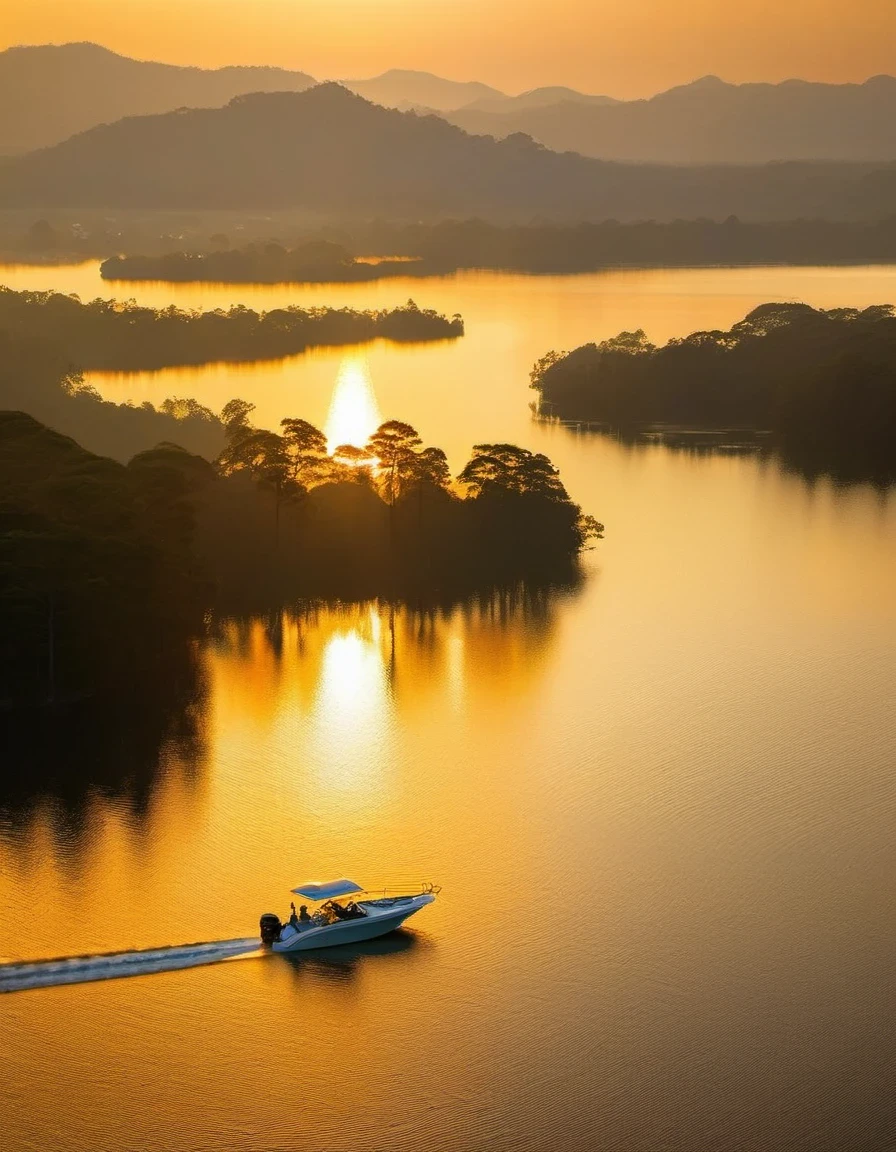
x=270, y=928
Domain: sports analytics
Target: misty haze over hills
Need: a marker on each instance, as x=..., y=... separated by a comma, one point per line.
x=329, y=151
x=534, y=98
x=404, y=88
x=710, y=121
x=48, y=93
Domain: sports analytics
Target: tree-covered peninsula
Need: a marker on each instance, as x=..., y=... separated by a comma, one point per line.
x=102, y=565
x=823, y=383
x=38, y=378
x=124, y=336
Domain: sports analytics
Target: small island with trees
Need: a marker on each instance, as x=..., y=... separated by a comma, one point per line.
x=124, y=336
x=822, y=383
x=309, y=262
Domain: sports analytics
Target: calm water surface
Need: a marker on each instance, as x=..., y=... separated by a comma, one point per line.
x=661, y=806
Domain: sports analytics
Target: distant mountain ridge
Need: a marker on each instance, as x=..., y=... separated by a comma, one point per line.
x=404, y=88
x=328, y=151
x=534, y=98
x=710, y=122
x=49, y=92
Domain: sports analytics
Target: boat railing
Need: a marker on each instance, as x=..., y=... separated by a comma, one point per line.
x=426, y=889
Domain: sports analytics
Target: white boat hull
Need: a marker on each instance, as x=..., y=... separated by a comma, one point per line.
x=381, y=917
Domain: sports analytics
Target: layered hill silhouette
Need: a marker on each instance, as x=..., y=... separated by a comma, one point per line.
x=709, y=121
x=329, y=151
x=405, y=88
x=534, y=98
x=49, y=92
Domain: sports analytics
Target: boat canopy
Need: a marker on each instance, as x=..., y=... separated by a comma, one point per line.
x=327, y=890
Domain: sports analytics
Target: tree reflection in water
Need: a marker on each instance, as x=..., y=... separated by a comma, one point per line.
x=344, y=665
x=325, y=647
x=112, y=747
x=808, y=461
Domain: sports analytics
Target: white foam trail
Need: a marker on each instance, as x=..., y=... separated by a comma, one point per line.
x=18, y=976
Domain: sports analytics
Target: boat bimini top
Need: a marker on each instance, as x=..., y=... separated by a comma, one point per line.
x=328, y=890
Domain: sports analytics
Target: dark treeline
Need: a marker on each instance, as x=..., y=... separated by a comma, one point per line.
x=100, y=599
x=97, y=575
x=38, y=378
x=66, y=235
x=116, y=335
x=279, y=516
x=105, y=567
x=438, y=249
x=309, y=262
x=589, y=247
x=822, y=382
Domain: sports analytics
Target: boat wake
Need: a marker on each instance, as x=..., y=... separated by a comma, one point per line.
x=19, y=976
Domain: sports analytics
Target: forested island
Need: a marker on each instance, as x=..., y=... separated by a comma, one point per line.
x=104, y=566
x=351, y=254
x=122, y=336
x=823, y=383
x=311, y=262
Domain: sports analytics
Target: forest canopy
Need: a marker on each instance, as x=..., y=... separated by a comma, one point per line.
x=310, y=262
x=822, y=382
x=99, y=559
x=380, y=249
x=122, y=335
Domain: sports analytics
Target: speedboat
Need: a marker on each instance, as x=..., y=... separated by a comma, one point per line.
x=363, y=917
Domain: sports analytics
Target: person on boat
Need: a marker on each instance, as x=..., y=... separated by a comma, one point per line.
x=293, y=918
x=303, y=914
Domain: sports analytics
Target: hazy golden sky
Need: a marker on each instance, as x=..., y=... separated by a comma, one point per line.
x=621, y=47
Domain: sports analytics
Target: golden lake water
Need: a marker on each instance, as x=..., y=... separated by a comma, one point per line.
x=661, y=805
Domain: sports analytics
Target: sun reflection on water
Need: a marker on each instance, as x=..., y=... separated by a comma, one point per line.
x=351, y=706
x=322, y=732
x=354, y=414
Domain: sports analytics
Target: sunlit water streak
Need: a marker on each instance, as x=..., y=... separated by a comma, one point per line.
x=353, y=416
